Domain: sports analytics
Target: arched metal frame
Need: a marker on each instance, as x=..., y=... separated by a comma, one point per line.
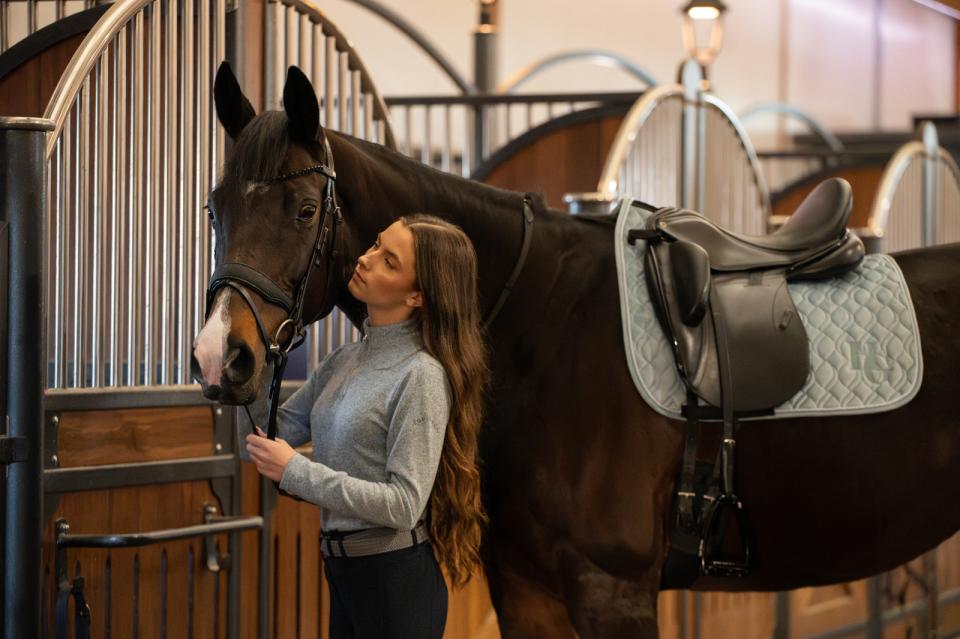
x=681, y=146
x=297, y=33
x=594, y=56
x=923, y=177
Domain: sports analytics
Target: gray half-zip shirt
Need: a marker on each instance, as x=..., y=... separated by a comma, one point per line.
x=376, y=412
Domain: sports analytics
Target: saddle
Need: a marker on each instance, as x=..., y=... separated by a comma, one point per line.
x=740, y=346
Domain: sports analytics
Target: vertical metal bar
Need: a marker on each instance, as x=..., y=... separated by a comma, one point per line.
x=781, y=616
x=329, y=92
x=305, y=57
x=426, y=152
x=31, y=16
x=201, y=239
x=23, y=183
x=82, y=235
x=317, y=69
x=355, y=97
x=118, y=111
x=99, y=187
x=171, y=186
x=153, y=182
x=271, y=63
x=407, y=130
x=930, y=197
x=445, y=162
x=874, y=627
x=291, y=37
x=56, y=277
x=185, y=296
x=367, y=115
x=4, y=25
x=60, y=6
x=135, y=202
x=342, y=72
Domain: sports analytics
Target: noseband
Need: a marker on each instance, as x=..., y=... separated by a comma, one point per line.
x=241, y=277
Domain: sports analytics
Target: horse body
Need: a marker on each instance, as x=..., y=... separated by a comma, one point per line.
x=578, y=472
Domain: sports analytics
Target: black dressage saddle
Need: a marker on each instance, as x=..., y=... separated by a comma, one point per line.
x=740, y=346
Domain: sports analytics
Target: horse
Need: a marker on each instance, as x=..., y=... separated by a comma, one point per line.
x=578, y=471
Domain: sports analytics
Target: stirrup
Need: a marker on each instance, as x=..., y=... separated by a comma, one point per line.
x=712, y=561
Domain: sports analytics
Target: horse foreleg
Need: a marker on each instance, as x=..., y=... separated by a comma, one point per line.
x=604, y=606
x=525, y=610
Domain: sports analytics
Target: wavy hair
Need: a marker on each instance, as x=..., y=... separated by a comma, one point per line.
x=449, y=323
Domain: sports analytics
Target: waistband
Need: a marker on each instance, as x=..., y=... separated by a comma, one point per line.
x=370, y=541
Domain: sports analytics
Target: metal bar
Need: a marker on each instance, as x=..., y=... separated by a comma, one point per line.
x=118, y=110
x=4, y=25
x=273, y=62
x=781, y=616
x=305, y=53
x=31, y=16
x=22, y=203
x=135, y=208
x=99, y=187
x=170, y=186
x=153, y=182
x=81, y=278
x=329, y=94
x=58, y=275
x=425, y=151
x=186, y=297
x=875, y=622
x=71, y=480
x=342, y=73
x=355, y=97
x=446, y=160
x=136, y=540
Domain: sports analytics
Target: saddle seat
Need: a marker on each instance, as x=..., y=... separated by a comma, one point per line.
x=817, y=227
x=723, y=300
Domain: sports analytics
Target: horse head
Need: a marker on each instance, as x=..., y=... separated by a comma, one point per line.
x=282, y=253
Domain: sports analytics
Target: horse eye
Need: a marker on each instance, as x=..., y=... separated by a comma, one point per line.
x=307, y=212
x=209, y=212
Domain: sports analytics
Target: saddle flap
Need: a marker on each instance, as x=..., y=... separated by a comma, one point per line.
x=691, y=279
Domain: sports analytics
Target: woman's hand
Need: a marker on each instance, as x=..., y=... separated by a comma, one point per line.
x=270, y=456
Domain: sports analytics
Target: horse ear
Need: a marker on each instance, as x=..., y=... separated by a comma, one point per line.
x=300, y=103
x=233, y=108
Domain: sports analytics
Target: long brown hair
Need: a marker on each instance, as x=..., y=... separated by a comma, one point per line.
x=449, y=322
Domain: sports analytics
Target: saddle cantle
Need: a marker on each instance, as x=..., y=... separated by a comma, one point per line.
x=699, y=274
x=739, y=344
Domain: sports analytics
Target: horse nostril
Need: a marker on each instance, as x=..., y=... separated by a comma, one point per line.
x=238, y=365
x=213, y=391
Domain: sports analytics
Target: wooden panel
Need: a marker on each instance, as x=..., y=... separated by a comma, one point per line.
x=864, y=180
x=89, y=438
x=27, y=89
x=564, y=161
x=135, y=510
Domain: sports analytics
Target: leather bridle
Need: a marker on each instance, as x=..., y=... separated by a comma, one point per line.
x=241, y=277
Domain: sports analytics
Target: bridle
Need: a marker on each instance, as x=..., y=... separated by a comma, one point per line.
x=241, y=277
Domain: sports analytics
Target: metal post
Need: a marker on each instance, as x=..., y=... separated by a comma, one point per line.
x=931, y=183
x=23, y=171
x=485, y=77
x=874, y=628
x=931, y=618
x=781, y=616
x=691, y=77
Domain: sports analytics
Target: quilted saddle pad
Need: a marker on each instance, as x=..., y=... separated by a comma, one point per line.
x=864, y=341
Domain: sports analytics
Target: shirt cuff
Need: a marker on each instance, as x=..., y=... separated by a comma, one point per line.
x=295, y=475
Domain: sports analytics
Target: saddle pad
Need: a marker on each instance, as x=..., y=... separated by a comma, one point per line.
x=864, y=341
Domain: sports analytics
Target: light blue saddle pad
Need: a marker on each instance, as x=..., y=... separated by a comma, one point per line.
x=864, y=341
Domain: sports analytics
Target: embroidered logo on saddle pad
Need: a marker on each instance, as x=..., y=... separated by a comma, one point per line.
x=864, y=340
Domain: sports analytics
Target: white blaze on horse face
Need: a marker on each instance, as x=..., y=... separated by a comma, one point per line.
x=211, y=343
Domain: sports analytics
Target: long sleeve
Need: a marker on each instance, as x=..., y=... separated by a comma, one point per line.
x=293, y=416
x=414, y=442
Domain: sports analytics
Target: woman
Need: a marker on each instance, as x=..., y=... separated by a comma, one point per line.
x=394, y=421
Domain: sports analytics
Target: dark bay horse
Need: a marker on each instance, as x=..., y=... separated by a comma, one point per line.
x=578, y=470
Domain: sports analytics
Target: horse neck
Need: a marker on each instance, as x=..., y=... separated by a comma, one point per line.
x=378, y=185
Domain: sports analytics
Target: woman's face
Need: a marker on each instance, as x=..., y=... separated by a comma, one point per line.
x=385, y=274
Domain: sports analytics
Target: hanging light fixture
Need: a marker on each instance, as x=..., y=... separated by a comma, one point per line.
x=703, y=29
